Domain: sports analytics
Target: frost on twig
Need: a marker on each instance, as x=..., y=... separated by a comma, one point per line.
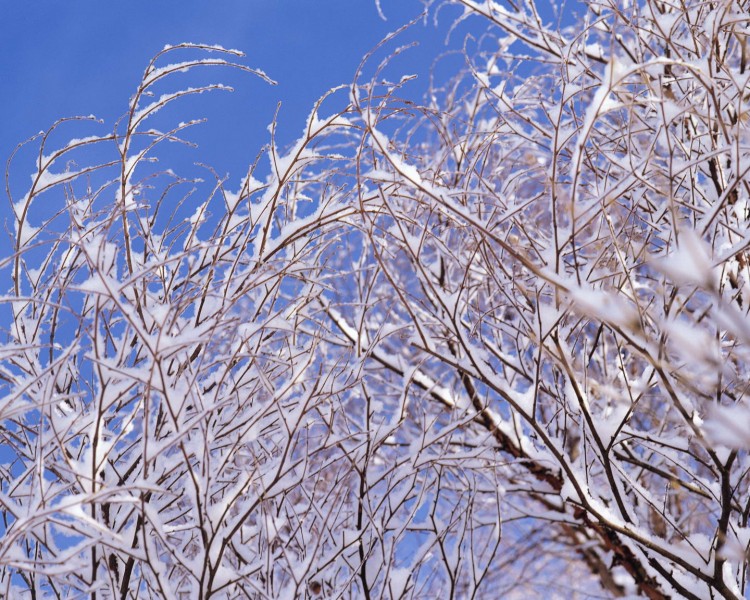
x=489, y=345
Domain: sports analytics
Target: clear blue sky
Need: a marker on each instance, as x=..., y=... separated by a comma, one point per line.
x=80, y=57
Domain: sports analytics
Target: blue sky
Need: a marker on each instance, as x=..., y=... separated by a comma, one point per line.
x=80, y=57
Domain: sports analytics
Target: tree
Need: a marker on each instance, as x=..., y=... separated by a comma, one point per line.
x=455, y=348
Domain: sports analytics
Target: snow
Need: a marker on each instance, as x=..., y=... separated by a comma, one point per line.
x=98, y=284
x=693, y=344
x=181, y=67
x=199, y=216
x=610, y=422
x=409, y=171
x=27, y=232
x=727, y=426
x=141, y=114
x=46, y=179
x=690, y=263
x=604, y=305
x=47, y=160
